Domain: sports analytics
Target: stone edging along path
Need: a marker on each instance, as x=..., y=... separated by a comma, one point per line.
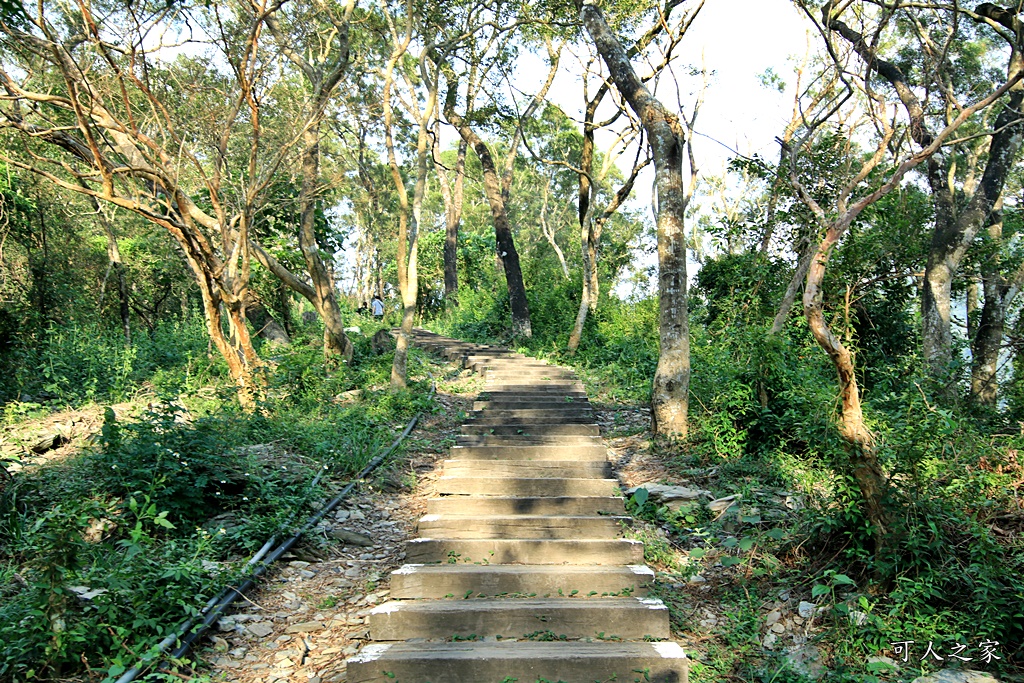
x=520, y=572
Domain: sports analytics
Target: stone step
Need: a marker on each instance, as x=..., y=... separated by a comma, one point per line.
x=524, y=551
x=554, y=403
x=540, y=452
x=622, y=618
x=413, y=581
x=496, y=418
x=570, y=413
x=530, y=395
x=503, y=428
x=576, y=662
x=533, y=469
x=508, y=505
x=523, y=487
x=521, y=526
x=527, y=440
x=537, y=389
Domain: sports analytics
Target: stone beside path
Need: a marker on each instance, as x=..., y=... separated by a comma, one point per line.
x=520, y=572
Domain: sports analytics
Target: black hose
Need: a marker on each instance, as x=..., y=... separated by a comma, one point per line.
x=189, y=632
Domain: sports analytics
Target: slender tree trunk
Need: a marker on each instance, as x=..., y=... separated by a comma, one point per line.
x=670, y=391
x=789, y=298
x=114, y=258
x=336, y=343
x=867, y=471
x=549, y=231
x=506, y=247
x=452, y=195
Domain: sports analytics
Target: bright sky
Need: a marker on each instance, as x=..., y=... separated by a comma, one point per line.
x=737, y=41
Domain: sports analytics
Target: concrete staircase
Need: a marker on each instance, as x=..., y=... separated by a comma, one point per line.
x=520, y=572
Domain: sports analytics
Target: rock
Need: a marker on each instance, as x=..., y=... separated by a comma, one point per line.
x=349, y=396
x=720, y=505
x=351, y=538
x=778, y=628
x=306, y=627
x=957, y=676
x=769, y=641
x=382, y=342
x=772, y=617
x=48, y=442
x=697, y=578
x=226, y=623
x=306, y=574
x=356, y=515
x=87, y=593
x=882, y=664
x=674, y=497
x=98, y=528
x=298, y=564
x=261, y=629
x=342, y=515
x=806, y=660
x=805, y=609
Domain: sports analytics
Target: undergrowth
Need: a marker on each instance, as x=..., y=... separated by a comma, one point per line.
x=103, y=553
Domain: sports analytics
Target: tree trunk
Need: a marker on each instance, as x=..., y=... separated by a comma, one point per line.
x=987, y=344
x=670, y=391
x=988, y=340
x=114, y=258
x=867, y=471
x=506, y=248
x=336, y=343
x=789, y=298
x=452, y=196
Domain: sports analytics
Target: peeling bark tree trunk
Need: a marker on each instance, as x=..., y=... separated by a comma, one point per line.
x=670, y=391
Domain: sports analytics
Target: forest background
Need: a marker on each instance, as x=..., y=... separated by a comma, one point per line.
x=198, y=197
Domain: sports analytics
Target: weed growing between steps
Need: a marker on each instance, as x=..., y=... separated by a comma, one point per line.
x=104, y=552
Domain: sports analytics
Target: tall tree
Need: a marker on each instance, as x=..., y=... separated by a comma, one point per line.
x=315, y=39
x=116, y=135
x=960, y=212
x=665, y=135
x=834, y=221
x=422, y=108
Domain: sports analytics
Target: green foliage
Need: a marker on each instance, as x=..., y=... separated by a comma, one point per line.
x=119, y=544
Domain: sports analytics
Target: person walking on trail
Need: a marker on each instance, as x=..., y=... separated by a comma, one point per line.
x=377, y=306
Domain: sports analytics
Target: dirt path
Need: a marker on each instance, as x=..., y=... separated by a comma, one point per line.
x=308, y=615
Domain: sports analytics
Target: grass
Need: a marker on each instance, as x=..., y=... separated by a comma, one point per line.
x=104, y=550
